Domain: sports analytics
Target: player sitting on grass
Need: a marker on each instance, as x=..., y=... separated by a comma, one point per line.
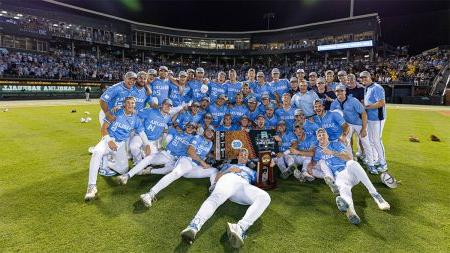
x=191, y=166
x=233, y=182
x=114, y=133
x=347, y=173
x=285, y=139
x=177, y=146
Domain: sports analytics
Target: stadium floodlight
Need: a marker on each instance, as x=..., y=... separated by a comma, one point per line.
x=364, y=43
x=4, y=12
x=16, y=17
x=19, y=15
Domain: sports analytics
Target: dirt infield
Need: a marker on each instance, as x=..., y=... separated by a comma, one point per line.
x=55, y=102
x=445, y=113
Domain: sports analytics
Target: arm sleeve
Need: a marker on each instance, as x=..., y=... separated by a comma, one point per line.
x=338, y=118
x=109, y=94
x=379, y=93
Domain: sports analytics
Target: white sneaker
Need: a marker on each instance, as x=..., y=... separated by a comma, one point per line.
x=308, y=176
x=330, y=182
x=298, y=174
x=123, y=179
x=91, y=192
x=146, y=171
x=352, y=216
x=382, y=204
x=235, y=235
x=147, y=199
x=189, y=233
x=91, y=150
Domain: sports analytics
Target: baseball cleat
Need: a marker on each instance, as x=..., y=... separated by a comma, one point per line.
x=382, y=204
x=352, y=216
x=333, y=187
x=189, y=233
x=147, y=199
x=308, y=176
x=235, y=235
x=372, y=169
x=123, y=179
x=341, y=204
x=146, y=171
x=286, y=174
x=298, y=174
x=382, y=168
x=91, y=192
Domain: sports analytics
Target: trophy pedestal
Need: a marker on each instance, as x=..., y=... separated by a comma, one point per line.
x=265, y=176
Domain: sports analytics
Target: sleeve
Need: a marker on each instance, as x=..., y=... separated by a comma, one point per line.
x=338, y=118
x=195, y=141
x=138, y=126
x=379, y=93
x=340, y=147
x=314, y=95
x=109, y=94
x=317, y=154
x=357, y=105
x=334, y=105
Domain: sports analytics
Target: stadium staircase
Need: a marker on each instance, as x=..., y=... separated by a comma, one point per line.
x=441, y=83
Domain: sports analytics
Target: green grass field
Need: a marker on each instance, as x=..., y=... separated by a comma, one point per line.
x=44, y=167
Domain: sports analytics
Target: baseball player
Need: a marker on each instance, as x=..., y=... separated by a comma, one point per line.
x=218, y=110
x=191, y=115
x=114, y=135
x=270, y=117
x=302, y=151
x=286, y=112
x=312, y=80
x=300, y=75
x=278, y=86
x=180, y=93
x=265, y=102
x=329, y=79
x=227, y=125
x=245, y=124
x=347, y=173
x=375, y=104
x=238, y=109
x=327, y=96
x=332, y=122
x=253, y=111
x=233, y=86
x=160, y=86
x=197, y=83
x=285, y=139
x=191, y=166
x=140, y=91
x=260, y=123
x=177, y=146
x=251, y=78
x=261, y=87
x=356, y=118
x=155, y=122
x=293, y=88
x=233, y=182
x=304, y=100
x=219, y=87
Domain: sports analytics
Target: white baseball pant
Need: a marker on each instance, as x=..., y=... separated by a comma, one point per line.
x=163, y=157
x=304, y=161
x=375, y=133
x=184, y=167
x=352, y=175
x=364, y=141
x=99, y=154
x=235, y=188
x=137, y=147
x=284, y=162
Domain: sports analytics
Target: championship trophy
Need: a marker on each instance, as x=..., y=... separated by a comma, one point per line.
x=259, y=143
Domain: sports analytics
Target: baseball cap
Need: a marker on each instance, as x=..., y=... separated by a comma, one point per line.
x=163, y=68
x=152, y=72
x=320, y=130
x=191, y=123
x=313, y=74
x=221, y=96
x=195, y=104
x=318, y=101
x=281, y=122
x=244, y=117
x=364, y=74
x=170, y=72
x=342, y=73
x=168, y=101
x=260, y=73
x=222, y=73
x=300, y=71
x=264, y=95
x=142, y=73
x=208, y=115
x=190, y=71
x=200, y=70
x=340, y=87
x=293, y=79
x=182, y=73
x=206, y=98
x=329, y=72
x=252, y=100
x=299, y=112
x=320, y=80
x=270, y=106
x=275, y=71
x=130, y=74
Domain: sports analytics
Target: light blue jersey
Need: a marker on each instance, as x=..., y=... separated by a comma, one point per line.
x=195, y=86
x=261, y=89
x=271, y=122
x=237, y=112
x=280, y=87
x=217, y=113
x=286, y=140
x=310, y=129
x=335, y=163
x=216, y=89
x=252, y=115
x=187, y=116
x=201, y=145
x=332, y=122
x=246, y=173
x=115, y=95
x=160, y=89
x=178, y=95
x=140, y=94
x=223, y=128
x=306, y=144
x=332, y=85
x=178, y=146
x=232, y=90
x=373, y=94
x=154, y=122
x=288, y=116
x=121, y=128
x=305, y=102
x=351, y=108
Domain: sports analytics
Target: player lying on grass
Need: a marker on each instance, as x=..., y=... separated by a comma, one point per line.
x=347, y=173
x=177, y=146
x=190, y=166
x=233, y=182
x=114, y=133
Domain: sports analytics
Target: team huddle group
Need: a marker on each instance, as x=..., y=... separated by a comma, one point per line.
x=166, y=125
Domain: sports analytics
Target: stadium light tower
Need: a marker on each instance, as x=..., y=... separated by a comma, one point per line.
x=268, y=16
x=352, y=4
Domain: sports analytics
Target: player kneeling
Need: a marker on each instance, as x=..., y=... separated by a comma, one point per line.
x=114, y=134
x=347, y=173
x=232, y=182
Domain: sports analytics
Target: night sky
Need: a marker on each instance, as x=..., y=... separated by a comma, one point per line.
x=422, y=24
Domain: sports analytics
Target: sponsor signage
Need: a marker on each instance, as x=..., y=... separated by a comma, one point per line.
x=357, y=44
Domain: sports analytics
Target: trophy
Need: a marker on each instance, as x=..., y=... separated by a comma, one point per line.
x=265, y=177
